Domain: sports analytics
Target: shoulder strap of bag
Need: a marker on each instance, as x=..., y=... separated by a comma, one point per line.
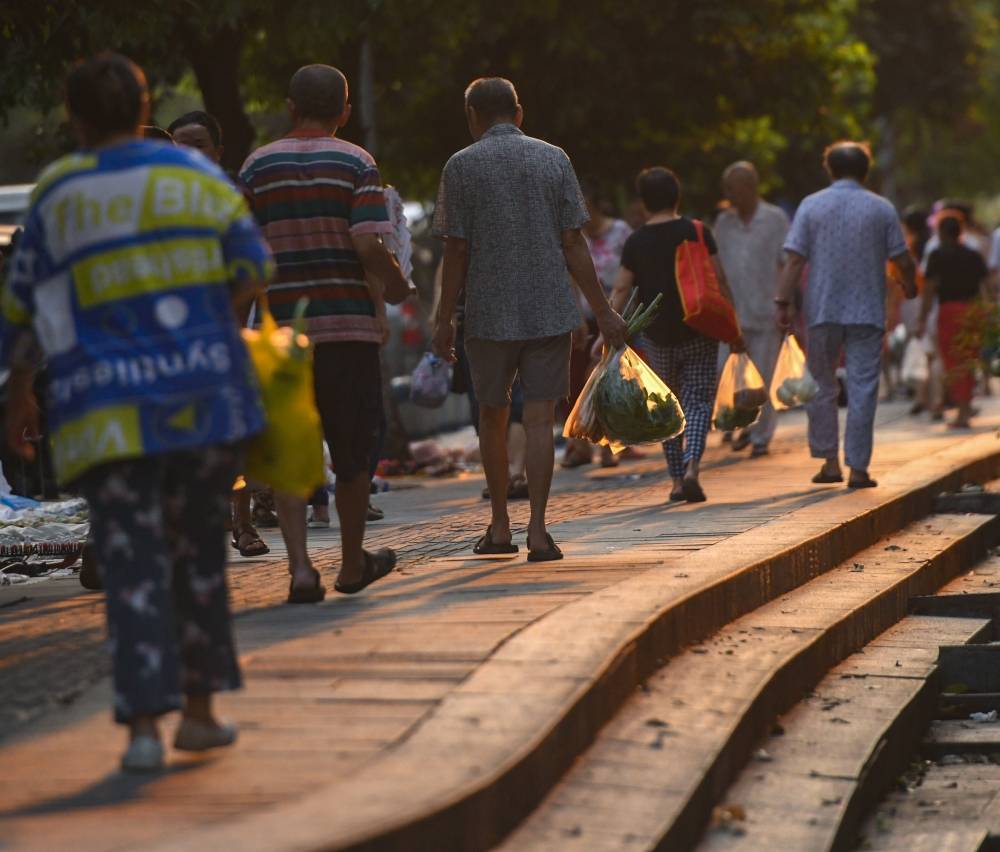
x=699, y=229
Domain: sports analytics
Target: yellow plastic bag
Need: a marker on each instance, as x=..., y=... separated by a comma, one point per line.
x=793, y=384
x=288, y=454
x=740, y=396
x=624, y=403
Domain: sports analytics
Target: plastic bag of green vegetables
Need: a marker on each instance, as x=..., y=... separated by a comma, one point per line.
x=792, y=384
x=624, y=402
x=740, y=396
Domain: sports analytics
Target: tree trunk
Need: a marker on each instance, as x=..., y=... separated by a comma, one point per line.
x=215, y=59
x=366, y=97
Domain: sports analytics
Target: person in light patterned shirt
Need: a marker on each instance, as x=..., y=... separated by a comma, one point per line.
x=847, y=235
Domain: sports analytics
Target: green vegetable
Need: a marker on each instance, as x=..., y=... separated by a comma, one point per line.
x=630, y=414
x=728, y=419
x=797, y=391
x=643, y=316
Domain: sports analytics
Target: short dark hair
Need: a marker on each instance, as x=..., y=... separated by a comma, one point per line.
x=152, y=131
x=658, y=188
x=950, y=227
x=847, y=159
x=492, y=98
x=107, y=93
x=201, y=118
x=318, y=92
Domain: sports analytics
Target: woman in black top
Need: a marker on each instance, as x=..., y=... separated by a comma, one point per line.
x=686, y=360
x=956, y=276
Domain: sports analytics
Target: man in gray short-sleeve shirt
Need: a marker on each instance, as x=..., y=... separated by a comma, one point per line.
x=510, y=210
x=846, y=235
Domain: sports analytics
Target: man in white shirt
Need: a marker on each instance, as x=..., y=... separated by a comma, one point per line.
x=750, y=236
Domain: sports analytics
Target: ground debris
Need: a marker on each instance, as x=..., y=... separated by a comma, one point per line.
x=729, y=819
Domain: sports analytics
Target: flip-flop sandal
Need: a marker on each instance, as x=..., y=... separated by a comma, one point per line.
x=862, y=483
x=550, y=554
x=377, y=566
x=822, y=478
x=307, y=594
x=487, y=547
x=375, y=513
x=692, y=492
x=256, y=546
x=677, y=496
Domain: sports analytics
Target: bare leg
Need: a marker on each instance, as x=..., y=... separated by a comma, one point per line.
x=144, y=726
x=493, y=448
x=516, y=448
x=241, y=509
x=199, y=707
x=352, y=509
x=539, y=417
x=292, y=520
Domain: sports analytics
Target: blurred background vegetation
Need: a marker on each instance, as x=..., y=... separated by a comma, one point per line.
x=620, y=84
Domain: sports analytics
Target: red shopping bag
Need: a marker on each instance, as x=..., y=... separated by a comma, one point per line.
x=706, y=308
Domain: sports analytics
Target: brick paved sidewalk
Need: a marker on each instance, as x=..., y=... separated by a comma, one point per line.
x=330, y=687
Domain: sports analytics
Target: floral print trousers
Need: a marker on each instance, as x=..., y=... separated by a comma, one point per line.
x=156, y=526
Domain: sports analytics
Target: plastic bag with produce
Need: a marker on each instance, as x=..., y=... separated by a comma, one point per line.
x=793, y=384
x=740, y=396
x=624, y=402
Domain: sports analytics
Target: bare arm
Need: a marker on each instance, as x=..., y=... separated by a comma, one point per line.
x=908, y=273
x=624, y=282
x=381, y=269
x=737, y=345
x=455, y=267
x=788, y=283
x=581, y=267
x=927, y=304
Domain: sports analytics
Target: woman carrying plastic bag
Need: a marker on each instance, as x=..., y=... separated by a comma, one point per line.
x=741, y=394
x=792, y=385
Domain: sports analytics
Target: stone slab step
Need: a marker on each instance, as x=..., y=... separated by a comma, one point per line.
x=489, y=752
x=956, y=840
x=660, y=766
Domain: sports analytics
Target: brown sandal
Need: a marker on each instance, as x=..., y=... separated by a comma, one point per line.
x=248, y=542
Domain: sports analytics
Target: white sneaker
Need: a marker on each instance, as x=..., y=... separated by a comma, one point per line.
x=195, y=735
x=144, y=754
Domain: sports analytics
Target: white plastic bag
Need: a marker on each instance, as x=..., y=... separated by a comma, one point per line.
x=430, y=382
x=624, y=403
x=915, y=369
x=740, y=396
x=793, y=384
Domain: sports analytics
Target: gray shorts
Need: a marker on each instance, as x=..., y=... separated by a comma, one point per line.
x=542, y=365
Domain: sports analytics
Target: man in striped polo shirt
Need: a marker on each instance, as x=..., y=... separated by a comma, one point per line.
x=320, y=203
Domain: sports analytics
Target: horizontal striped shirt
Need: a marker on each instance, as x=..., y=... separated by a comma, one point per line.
x=123, y=274
x=311, y=193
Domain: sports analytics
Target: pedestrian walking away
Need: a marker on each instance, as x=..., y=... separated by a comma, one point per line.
x=957, y=277
x=685, y=359
x=751, y=237
x=201, y=131
x=510, y=210
x=321, y=205
x=126, y=286
x=847, y=235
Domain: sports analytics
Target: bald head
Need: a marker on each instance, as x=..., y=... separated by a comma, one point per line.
x=742, y=170
x=318, y=93
x=739, y=183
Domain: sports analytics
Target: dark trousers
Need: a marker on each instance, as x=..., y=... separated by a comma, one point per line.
x=156, y=525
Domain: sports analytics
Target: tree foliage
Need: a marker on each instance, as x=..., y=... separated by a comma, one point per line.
x=619, y=85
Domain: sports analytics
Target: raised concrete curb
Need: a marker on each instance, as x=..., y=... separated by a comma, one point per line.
x=498, y=743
